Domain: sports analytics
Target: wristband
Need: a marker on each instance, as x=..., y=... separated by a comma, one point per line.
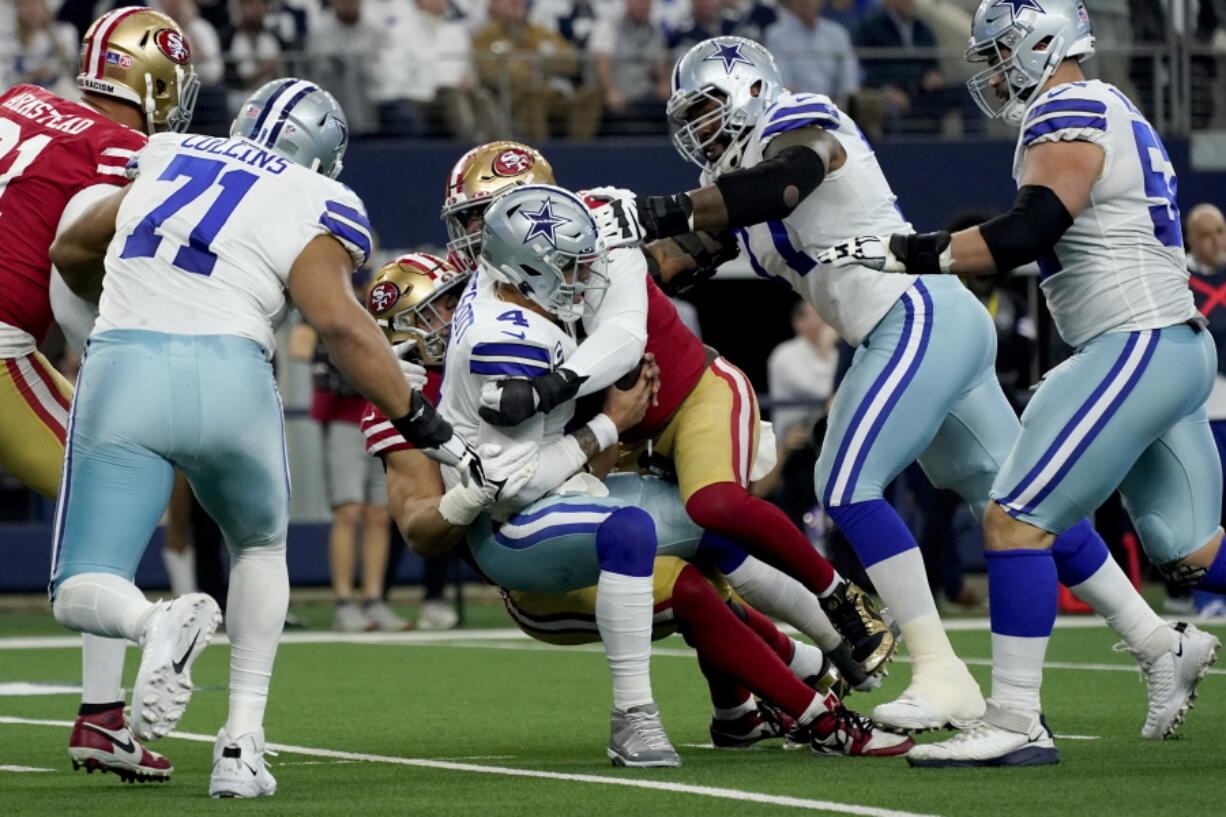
x=604, y=429
x=459, y=507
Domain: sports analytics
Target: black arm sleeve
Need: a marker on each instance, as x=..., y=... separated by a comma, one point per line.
x=760, y=193
x=1031, y=228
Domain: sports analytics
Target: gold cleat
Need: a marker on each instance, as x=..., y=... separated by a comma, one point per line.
x=855, y=615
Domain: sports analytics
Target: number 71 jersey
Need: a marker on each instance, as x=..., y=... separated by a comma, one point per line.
x=1120, y=267
x=208, y=232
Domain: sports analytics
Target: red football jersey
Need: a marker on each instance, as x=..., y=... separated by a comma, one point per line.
x=680, y=355
x=50, y=150
x=381, y=436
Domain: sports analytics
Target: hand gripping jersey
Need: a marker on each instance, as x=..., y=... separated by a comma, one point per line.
x=856, y=199
x=380, y=435
x=50, y=150
x=206, y=238
x=1120, y=267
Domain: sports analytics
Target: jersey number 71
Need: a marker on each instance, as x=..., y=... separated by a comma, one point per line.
x=195, y=256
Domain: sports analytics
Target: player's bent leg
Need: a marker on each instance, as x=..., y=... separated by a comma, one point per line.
x=34, y=401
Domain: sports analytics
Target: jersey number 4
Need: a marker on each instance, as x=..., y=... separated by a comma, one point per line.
x=195, y=256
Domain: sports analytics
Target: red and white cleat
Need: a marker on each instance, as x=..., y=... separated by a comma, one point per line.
x=102, y=741
x=844, y=732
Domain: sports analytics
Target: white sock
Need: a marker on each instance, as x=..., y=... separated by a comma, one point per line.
x=806, y=660
x=255, y=616
x=181, y=570
x=903, y=585
x=1110, y=593
x=102, y=604
x=1017, y=671
x=781, y=597
x=821, y=703
x=623, y=616
x=744, y=708
x=101, y=669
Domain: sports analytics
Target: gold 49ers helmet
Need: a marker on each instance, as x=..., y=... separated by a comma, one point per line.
x=406, y=298
x=479, y=176
x=141, y=56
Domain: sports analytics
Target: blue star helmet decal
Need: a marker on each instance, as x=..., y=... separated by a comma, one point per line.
x=730, y=54
x=544, y=223
x=1017, y=6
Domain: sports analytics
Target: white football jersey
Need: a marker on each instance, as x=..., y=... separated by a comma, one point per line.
x=208, y=232
x=492, y=339
x=1120, y=267
x=856, y=199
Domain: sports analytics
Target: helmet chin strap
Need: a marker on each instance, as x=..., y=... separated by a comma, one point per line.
x=150, y=106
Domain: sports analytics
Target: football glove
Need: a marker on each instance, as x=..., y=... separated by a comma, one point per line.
x=632, y=221
x=507, y=471
x=915, y=254
x=425, y=429
x=414, y=372
x=512, y=401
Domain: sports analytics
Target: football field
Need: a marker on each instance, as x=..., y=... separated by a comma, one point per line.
x=487, y=722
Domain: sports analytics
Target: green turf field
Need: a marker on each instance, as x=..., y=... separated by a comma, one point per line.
x=489, y=723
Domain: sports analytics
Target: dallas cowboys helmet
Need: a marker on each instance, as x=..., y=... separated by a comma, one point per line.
x=296, y=119
x=543, y=241
x=725, y=71
x=1023, y=42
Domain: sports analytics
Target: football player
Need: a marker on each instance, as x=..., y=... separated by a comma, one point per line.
x=789, y=172
x=702, y=398
x=136, y=79
x=1096, y=209
x=416, y=305
x=177, y=373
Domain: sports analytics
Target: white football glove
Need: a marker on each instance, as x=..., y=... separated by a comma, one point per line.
x=862, y=251
x=915, y=253
x=414, y=372
x=506, y=473
x=618, y=220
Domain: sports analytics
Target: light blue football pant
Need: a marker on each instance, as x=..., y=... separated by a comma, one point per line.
x=922, y=386
x=149, y=402
x=1127, y=411
x=550, y=546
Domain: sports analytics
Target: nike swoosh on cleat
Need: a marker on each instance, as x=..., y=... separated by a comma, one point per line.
x=182, y=662
x=1179, y=652
x=254, y=773
x=127, y=745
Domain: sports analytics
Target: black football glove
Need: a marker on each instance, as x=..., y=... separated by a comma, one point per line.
x=511, y=402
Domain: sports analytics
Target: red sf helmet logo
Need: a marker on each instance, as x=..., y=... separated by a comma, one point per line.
x=513, y=162
x=173, y=45
x=382, y=296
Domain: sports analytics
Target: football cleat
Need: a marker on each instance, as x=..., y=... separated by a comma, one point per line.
x=102, y=741
x=844, y=674
x=843, y=732
x=437, y=615
x=765, y=722
x=637, y=738
x=381, y=617
x=1003, y=738
x=1172, y=678
x=173, y=639
x=349, y=618
x=942, y=694
x=239, y=768
x=855, y=615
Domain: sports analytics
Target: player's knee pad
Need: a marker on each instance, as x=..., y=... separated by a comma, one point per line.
x=626, y=542
x=1079, y=553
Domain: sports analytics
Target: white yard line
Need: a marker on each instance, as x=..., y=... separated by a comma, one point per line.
x=629, y=782
x=24, y=769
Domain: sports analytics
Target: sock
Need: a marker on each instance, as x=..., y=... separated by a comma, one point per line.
x=779, y=596
x=255, y=615
x=732, y=713
x=727, y=647
x=1214, y=580
x=1084, y=565
x=807, y=660
x=763, y=530
x=102, y=604
x=623, y=615
x=1022, y=585
x=820, y=703
x=101, y=669
x=765, y=629
x=181, y=570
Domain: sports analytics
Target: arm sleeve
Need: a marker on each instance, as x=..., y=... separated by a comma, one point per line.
x=617, y=334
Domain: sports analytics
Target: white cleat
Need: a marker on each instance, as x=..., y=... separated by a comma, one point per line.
x=938, y=697
x=174, y=637
x=1003, y=738
x=1172, y=678
x=239, y=768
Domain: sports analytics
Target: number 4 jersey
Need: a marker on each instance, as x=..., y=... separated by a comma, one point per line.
x=1120, y=266
x=207, y=235
x=50, y=150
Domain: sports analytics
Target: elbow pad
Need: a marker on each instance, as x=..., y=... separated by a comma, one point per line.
x=760, y=193
x=1029, y=230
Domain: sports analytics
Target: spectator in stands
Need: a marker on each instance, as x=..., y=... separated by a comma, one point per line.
x=1158, y=22
x=814, y=54
x=574, y=20
x=531, y=66
x=44, y=53
x=752, y=17
x=254, y=52
x=207, y=56
x=916, y=91
x=802, y=369
x=460, y=104
x=849, y=13
x=707, y=20
x=630, y=56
